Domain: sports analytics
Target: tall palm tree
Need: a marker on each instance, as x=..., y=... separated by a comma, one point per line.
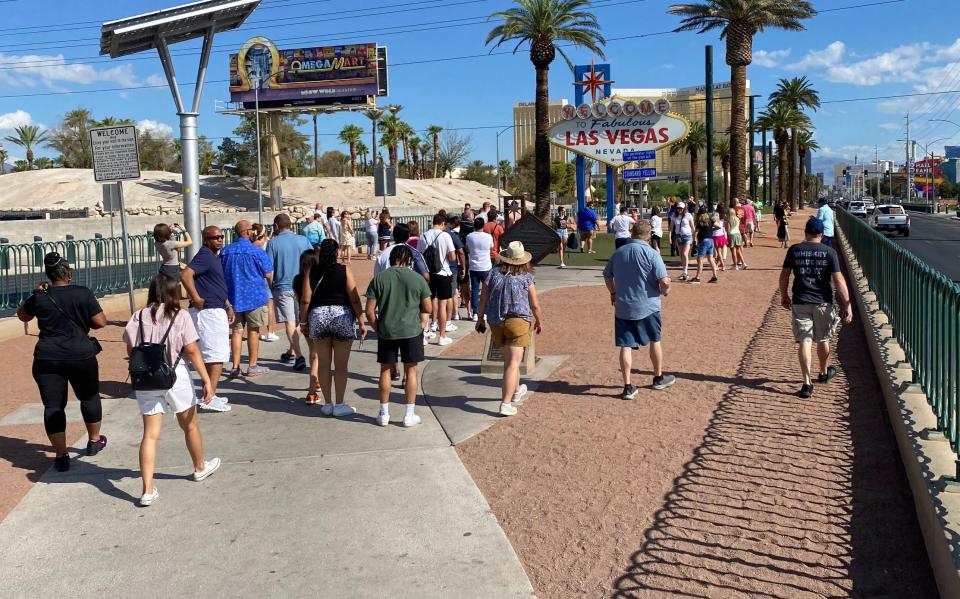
x=805, y=143
x=28, y=136
x=362, y=150
x=738, y=21
x=542, y=24
x=350, y=135
x=693, y=144
x=504, y=171
x=426, y=146
x=721, y=150
x=800, y=94
x=434, y=132
x=781, y=118
x=404, y=132
x=4, y=156
x=390, y=127
x=414, y=157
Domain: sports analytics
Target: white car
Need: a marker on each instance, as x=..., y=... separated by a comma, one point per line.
x=891, y=217
x=857, y=208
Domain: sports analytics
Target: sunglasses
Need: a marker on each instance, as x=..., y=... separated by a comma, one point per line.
x=214, y=237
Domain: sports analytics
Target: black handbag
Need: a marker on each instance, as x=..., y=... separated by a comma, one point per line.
x=149, y=370
x=94, y=342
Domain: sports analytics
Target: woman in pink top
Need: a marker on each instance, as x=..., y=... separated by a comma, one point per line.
x=414, y=234
x=163, y=321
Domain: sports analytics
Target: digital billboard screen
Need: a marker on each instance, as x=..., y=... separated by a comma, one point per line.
x=303, y=76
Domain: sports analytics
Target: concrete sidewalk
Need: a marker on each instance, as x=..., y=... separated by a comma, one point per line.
x=303, y=505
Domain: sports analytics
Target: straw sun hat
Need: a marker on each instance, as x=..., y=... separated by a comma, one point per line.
x=515, y=254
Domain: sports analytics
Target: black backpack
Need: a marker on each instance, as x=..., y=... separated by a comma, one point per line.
x=149, y=370
x=432, y=257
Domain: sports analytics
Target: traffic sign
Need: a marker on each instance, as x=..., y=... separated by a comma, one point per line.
x=639, y=173
x=641, y=155
x=115, y=153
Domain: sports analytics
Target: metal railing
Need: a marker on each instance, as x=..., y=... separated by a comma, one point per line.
x=98, y=262
x=923, y=307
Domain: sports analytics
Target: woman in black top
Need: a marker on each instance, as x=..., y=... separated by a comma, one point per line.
x=705, y=247
x=780, y=216
x=65, y=353
x=329, y=306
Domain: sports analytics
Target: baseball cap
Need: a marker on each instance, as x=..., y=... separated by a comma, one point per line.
x=814, y=227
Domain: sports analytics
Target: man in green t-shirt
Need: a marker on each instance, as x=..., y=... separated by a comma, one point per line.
x=395, y=299
x=758, y=206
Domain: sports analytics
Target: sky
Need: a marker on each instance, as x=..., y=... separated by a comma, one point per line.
x=442, y=72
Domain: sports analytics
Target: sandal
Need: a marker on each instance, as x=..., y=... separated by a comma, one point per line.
x=312, y=398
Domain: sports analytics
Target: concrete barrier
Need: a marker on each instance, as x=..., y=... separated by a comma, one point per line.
x=928, y=460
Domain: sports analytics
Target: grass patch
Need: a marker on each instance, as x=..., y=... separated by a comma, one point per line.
x=604, y=246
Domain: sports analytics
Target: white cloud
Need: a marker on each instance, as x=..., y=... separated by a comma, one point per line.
x=12, y=120
x=155, y=128
x=52, y=71
x=155, y=80
x=891, y=126
x=825, y=58
x=769, y=59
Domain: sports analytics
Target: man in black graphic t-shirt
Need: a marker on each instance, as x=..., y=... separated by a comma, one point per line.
x=816, y=271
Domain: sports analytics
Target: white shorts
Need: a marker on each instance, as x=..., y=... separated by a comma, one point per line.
x=180, y=398
x=214, y=331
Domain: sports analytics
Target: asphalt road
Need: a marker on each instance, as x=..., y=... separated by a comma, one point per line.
x=936, y=241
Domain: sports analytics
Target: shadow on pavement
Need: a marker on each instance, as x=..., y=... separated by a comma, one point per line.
x=788, y=497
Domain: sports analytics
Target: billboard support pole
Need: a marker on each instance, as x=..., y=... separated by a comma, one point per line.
x=708, y=56
x=256, y=112
x=126, y=247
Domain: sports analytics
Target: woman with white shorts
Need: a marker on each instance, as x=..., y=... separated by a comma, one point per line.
x=163, y=321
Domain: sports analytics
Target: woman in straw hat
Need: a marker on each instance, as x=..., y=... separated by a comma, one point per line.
x=509, y=302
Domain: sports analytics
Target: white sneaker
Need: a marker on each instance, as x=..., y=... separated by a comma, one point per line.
x=562, y=265
x=270, y=337
x=383, y=419
x=411, y=420
x=426, y=339
x=520, y=393
x=444, y=340
x=475, y=317
x=209, y=467
x=217, y=404
x=342, y=409
x=148, y=498
x=327, y=409
x=507, y=409
x=450, y=327
x=434, y=326
x=456, y=315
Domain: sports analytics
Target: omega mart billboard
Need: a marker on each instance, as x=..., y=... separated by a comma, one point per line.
x=305, y=76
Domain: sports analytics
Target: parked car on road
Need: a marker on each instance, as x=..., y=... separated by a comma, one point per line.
x=891, y=217
x=857, y=208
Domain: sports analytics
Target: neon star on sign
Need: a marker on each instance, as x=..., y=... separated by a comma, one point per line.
x=593, y=82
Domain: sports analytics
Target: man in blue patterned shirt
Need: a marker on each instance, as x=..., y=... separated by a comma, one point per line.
x=248, y=272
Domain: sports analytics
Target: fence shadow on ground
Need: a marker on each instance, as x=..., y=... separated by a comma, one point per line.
x=788, y=497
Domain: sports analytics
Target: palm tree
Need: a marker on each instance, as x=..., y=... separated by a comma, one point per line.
x=805, y=143
x=543, y=23
x=4, y=156
x=738, y=21
x=434, y=132
x=350, y=135
x=721, y=150
x=504, y=171
x=798, y=93
x=693, y=144
x=28, y=136
x=404, y=132
x=414, y=157
x=362, y=150
x=426, y=147
x=390, y=127
x=781, y=118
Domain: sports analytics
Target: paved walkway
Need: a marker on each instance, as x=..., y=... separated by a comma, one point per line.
x=303, y=505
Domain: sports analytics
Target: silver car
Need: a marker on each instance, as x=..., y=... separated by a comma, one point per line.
x=857, y=209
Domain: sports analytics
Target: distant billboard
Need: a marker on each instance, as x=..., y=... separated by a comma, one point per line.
x=347, y=74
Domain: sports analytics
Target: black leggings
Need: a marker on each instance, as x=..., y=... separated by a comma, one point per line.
x=52, y=377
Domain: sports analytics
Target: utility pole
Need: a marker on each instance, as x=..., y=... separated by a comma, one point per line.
x=909, y=165
x=753, y=179
x=709, y=84
x=877, y=196
x=766, y=172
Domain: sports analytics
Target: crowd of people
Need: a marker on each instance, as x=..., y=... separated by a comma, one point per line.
x=422, y=279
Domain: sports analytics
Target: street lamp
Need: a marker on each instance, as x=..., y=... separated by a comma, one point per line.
x=499, y=199
x=930, y=165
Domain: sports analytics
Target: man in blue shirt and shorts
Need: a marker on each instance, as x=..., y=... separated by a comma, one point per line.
x=636, y=277
x=285, y=249
x=587, y=221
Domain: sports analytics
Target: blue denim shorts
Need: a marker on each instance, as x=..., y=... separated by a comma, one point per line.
x=705, y=248
x=684, y=239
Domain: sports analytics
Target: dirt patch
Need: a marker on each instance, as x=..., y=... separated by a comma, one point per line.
x=724, y=485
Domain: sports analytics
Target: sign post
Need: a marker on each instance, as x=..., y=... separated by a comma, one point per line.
x=117, y=158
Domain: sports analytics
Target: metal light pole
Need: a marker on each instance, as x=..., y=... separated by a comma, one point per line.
x=708, y=58
x=929, y=192
x=256, y=112
x=766, y=173
x=497, y=168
